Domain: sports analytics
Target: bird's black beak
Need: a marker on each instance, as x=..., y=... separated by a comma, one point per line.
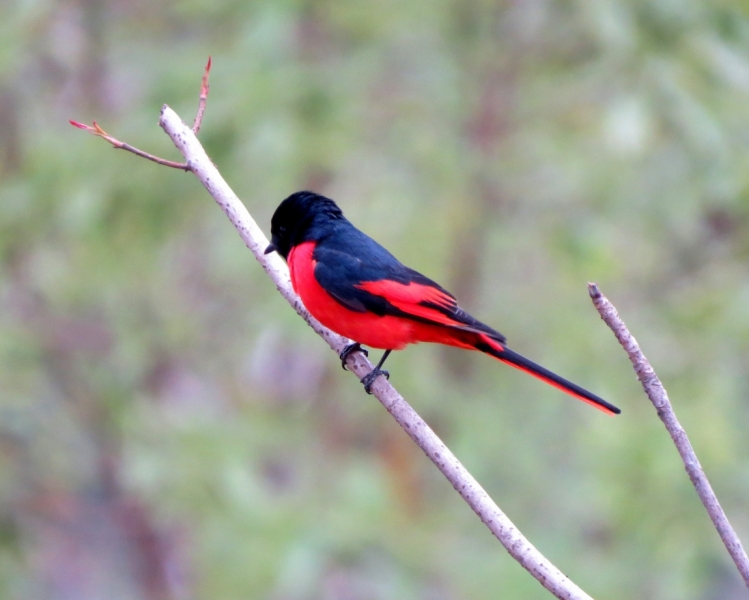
x=270, y=248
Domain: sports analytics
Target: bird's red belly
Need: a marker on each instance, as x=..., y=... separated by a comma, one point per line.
x=386, y=332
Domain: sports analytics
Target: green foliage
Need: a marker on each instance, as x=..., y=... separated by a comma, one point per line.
x=170, y=429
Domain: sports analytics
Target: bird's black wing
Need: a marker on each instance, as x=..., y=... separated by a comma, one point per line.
x=364, y=277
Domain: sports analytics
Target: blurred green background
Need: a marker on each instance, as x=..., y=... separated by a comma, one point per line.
x=170, y=429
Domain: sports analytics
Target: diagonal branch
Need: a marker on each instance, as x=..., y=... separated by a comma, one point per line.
x=658, y=396
x=197, y=161
x=463, y=482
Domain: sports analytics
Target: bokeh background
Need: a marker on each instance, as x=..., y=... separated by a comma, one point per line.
x=170, y=429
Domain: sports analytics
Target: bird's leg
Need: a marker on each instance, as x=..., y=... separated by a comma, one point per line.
x=369, y=378
x=355, y=347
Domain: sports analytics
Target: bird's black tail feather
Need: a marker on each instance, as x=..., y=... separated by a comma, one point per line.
x=512, y=358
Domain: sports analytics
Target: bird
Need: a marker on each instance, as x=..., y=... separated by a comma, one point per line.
x=355, y=287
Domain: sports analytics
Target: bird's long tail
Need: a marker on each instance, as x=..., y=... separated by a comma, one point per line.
x=512, y=358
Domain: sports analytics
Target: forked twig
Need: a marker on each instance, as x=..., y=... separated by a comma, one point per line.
x=96, y=130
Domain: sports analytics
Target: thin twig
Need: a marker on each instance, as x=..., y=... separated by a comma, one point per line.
x=464, y=483
x=96, y=130
x=203, y=98
x=118, y=145
x=658, y=396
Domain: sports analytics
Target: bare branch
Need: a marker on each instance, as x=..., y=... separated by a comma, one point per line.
x=658, y=396
x=476, y=497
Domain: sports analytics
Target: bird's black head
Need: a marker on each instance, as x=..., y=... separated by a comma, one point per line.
x=300, y=218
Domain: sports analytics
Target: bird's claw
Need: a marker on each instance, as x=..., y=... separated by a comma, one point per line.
x=355, y=347
x=369, y=378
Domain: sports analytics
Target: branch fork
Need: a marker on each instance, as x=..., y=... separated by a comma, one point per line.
x=96, y=130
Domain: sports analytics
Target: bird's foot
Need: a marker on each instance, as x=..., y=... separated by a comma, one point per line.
x=369, y=378
x=355, y=347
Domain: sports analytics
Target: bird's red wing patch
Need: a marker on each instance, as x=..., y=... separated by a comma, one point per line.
x=386, y=332
x=411, y=299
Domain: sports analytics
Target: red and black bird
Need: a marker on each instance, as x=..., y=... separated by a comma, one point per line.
x=355, y=287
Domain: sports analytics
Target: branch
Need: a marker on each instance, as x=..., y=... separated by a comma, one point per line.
x=197, y=161
x=476, y=497
x=658, y=396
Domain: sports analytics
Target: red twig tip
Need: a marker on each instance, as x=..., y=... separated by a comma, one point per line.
x=204, y=87
x=96, y=130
